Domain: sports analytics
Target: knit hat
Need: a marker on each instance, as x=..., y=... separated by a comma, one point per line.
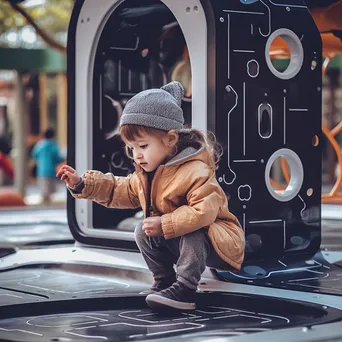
x=156, y=108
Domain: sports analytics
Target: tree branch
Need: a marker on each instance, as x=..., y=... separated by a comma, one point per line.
x=47, y=39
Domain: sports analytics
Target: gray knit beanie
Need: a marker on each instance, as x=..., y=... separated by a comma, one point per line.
x=156, y=108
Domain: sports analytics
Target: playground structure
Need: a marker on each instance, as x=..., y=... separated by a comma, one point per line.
x=288, y=289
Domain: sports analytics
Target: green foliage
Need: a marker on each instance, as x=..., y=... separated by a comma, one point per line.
x=52, y=17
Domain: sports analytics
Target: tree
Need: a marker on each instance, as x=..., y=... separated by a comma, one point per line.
x=49, y=21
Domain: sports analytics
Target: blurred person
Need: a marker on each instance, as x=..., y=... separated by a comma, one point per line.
x=5, y=162
x=47, y=156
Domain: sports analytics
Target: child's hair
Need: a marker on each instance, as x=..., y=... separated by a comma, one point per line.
x=187, y=137
x=49, y=133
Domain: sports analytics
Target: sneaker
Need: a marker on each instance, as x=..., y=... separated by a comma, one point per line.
x=177, y=296
x=160, y=284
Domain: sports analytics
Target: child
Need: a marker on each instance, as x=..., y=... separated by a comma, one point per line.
x=187, y=221
x=47, y=156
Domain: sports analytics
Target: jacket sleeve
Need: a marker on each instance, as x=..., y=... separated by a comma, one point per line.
x=203, y=202
x=109, y=190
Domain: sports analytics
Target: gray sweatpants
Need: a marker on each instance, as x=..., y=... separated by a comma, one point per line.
x=191, y=253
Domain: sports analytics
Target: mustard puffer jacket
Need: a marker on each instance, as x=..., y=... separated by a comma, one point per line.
x=184, y=192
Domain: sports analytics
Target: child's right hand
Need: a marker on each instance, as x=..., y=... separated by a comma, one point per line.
x=68, y=175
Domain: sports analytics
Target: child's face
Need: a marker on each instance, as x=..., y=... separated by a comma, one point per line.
x=149, y=151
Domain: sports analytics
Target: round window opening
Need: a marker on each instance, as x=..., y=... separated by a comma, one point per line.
x=284, y=175
x=284, y=42
x=280, y=175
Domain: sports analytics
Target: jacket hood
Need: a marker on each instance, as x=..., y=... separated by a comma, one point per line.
x=192, y=153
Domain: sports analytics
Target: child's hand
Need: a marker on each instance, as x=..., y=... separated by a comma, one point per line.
x=68, y=175
x=152, y=226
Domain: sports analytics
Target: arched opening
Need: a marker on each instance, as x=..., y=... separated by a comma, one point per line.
x=141, y=46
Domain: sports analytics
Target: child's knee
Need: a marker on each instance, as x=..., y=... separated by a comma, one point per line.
x=139, y=234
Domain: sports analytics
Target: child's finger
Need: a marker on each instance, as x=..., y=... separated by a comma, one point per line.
x=66, y=168
x=60, y=170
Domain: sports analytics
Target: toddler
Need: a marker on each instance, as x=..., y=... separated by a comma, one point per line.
x=187, y=222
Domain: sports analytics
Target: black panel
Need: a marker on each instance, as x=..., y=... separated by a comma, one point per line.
x=310, y=275
x=289, y=118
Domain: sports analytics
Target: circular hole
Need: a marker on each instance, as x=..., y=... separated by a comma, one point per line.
x=284, y=43
x=281, y=188
x=315, y=141
x=309, y=192
x=187, y=10
x=278, y=46
x=277, y=175
x=196, y=9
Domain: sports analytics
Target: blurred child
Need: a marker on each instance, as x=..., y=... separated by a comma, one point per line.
x=47, y=156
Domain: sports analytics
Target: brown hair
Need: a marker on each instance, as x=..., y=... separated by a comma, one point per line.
x=188, y=137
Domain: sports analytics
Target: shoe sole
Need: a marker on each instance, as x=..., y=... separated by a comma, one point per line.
x=158, y=302
x=148, y=292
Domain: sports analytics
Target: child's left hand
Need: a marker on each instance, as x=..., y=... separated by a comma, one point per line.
x=152, y=226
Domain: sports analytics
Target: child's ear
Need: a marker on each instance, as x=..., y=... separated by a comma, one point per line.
x=172, y=138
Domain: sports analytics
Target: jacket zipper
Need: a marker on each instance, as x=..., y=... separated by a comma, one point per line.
x=145, y=190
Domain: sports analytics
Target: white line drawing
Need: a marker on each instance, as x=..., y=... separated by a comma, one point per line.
x=143, y=81
x=228, y=45
x=117, y=165
x=265, y=221
x=22, y=331
x=269, y=22
x=244, y=117
x=129, y=79
x=301, y=38
x=128, y=94
x=244, y=12
x=229, y=88
x=117, y=106
x=100, y=100
x=244, y=161
x=302, y=211
x=129, y=49
x=119, y=75
x=260, y=119
x=298, y=109
x=252, y=29
x=284, y=225
x=317, y=264
x=249, y=195
x=280, y=262
x=244, y=222
x=286, y=5
x=247, y=51
x=248, y=67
